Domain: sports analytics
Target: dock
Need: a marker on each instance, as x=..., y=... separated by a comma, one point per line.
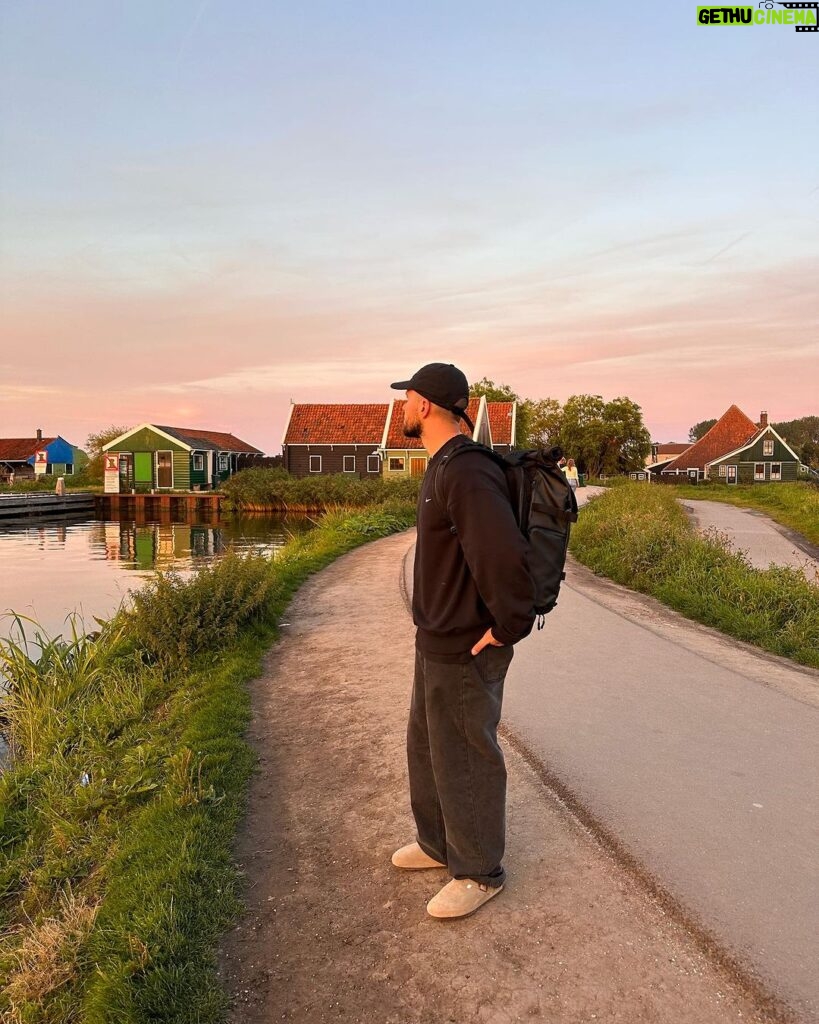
x=38, y=504
x=188, y=505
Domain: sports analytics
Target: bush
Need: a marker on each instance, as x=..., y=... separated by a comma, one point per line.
x=640, y=537
x=276, y=490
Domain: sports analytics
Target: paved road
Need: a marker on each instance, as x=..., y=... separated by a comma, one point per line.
x=697, y=756
x=763, y=540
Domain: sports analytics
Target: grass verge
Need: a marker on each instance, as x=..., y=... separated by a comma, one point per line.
x=274, y=490
x=640, y=537
x=794, y=505
x=126, y=781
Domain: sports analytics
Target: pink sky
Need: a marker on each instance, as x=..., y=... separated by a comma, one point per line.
x=205, y=215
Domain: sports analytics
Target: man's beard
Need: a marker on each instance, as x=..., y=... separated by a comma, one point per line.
x=412, y=429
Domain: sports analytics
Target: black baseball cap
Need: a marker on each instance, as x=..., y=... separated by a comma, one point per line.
x=443, y=384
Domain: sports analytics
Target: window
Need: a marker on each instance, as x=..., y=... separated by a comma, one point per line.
x=373, y=464
x=767, y=447
x=776, y=471
x=315, y=463
x=69, y=469
x=723, y=471
x=198, y=463
x=396, y=465
x=223, y=463
x=759, y=471
x=349, y=463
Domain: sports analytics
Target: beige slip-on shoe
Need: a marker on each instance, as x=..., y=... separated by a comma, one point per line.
x=460, y=898
x=413, y=858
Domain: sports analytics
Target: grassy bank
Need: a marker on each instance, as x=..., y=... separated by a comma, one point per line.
x=274, y=490
x=794, y=505
x=126, y=783
x=640, y=536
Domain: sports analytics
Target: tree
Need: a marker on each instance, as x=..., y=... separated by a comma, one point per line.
x=94, y=445
x=604, y=437
x=700, y=430
x=628, y=442
x=583, y=433
x=541, y=419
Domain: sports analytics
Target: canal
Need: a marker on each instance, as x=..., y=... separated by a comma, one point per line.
x=49, y=570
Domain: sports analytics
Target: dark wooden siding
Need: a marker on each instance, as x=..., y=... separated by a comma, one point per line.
x=297, y=459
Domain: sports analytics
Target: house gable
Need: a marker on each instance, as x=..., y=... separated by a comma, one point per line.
x=754, y=450
x=732, y=430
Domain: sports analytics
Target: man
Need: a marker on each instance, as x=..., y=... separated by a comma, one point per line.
x=472, y=600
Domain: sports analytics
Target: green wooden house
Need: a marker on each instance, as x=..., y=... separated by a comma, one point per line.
x=764, y=458
x=157, y=458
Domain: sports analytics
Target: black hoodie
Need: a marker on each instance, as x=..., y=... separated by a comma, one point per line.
x=471, y=570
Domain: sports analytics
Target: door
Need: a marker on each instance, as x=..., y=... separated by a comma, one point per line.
x=126, y=473
x=731, y=474
x=164, y=469
x=418, y=467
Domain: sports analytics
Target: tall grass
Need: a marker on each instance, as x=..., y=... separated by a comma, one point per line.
x=275, y=490
x=126, y=781
x=639, y=536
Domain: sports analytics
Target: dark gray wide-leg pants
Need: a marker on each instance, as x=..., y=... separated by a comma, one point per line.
x=457, y=773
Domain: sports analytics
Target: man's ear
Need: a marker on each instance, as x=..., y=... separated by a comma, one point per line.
x=424, y=407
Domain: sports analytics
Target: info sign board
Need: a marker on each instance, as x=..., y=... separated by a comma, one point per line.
x=112, y=474
x=40, y=463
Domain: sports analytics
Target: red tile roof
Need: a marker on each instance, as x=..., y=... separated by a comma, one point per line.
x=215, y=439
x=500, y=421
x=731, y=431
x=21, y=449
x=337, y=424
x=673, y=448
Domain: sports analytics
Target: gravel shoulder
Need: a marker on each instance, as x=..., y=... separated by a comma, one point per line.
x=332, y=932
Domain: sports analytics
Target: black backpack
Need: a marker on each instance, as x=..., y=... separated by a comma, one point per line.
x=544, y=507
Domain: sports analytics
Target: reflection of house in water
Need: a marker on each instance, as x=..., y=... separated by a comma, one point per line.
x=159, y=545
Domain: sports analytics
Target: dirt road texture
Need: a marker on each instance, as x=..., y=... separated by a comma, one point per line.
x=332, y=932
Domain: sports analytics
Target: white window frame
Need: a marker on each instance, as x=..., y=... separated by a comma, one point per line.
x=224, y=462
x=723, y=471
x=729, y=481
x=776, y=471
x=768, y=446
x=376, y=468
x=317, y=459
x=198, y=462
x=759, y=477
x=399, y=468
x=344, y=464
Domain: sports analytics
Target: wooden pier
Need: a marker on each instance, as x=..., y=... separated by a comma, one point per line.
x=193, y=504
x=40, y=505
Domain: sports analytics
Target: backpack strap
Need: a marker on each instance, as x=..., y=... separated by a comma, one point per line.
x=472, y=447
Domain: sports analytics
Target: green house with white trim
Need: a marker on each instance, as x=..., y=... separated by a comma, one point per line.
x=151, y=457
x=764, y=458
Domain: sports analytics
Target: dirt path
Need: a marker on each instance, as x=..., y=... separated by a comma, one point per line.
x=333, y=932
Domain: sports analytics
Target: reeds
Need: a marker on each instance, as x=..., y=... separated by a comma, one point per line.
x=125, y=782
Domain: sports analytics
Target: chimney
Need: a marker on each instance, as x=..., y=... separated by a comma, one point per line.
x=763, y=419
x=39, y=434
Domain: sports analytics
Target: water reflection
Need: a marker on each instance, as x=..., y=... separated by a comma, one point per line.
x=48, y=570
